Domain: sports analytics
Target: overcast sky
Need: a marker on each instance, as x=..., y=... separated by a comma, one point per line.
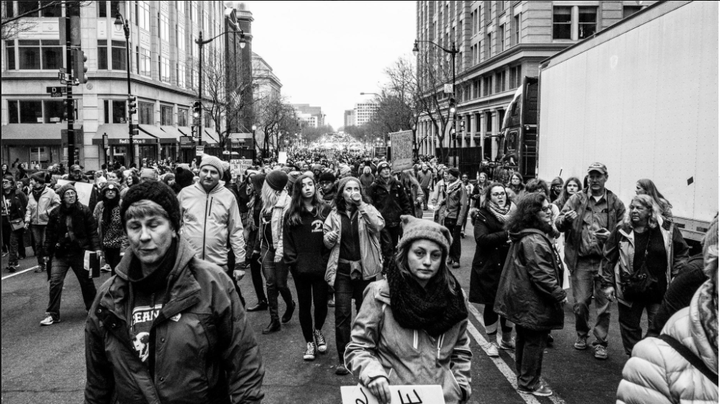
x=326, y=53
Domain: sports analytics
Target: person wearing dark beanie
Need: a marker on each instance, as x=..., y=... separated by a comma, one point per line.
x=253, y=241
x=277, y=179
x=183, y=178
x=162, y=288
x=419, y=294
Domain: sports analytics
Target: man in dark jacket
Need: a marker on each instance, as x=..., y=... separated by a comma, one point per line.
x=168, y=327
x=71, y=231
x=13, y=212
x=587, y=218
x=389, y=198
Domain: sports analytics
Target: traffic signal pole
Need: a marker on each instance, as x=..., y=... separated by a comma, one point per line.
x=69, y=110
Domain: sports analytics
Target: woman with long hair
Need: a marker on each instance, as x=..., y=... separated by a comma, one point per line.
x=275, y=204
x=556, y=187
x=413, y=191
x=516, y=185
x=416, y=317
x=647, y=187
x=572, y=186
x=306, y=257
x=530, y=294
x=493, y=244
x=110, y=227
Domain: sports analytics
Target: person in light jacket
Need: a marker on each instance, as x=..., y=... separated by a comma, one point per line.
x=41, y=201
x=352, y=233
x=412, y=327
x=656, y=373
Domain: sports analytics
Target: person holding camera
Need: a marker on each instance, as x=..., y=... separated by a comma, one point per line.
x=71, y=230
x=586, y=218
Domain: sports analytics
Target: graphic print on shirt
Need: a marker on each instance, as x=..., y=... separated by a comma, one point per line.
x=317, y=226
x=142, y=318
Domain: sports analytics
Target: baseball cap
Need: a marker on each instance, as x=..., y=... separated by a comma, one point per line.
x=599, y=167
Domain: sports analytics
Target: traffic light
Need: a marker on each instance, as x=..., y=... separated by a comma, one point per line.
x=80, y=66
x=67, y=108
x=452, y=105
x=197, y=109
x=132, y=105
x=134, y=129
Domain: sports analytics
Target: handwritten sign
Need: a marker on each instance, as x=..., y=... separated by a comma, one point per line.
x=282, y=157
x=83, y=190
x=423, y=394
x=402, y=150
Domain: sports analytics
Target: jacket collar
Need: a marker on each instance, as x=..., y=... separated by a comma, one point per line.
x=215, y=190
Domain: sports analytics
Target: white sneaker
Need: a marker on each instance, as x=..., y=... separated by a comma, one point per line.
x=320, y=343
x=49, y=321
x=492, y=350
x=309, y=354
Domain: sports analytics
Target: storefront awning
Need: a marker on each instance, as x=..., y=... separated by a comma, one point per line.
x=212, y=136
x=159, y=134
x=32, y=134
x=172, y=131
x=185, y=130
x=118, y=135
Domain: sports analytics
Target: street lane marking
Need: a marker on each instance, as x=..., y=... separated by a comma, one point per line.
x=501, y=365
x=21, y=272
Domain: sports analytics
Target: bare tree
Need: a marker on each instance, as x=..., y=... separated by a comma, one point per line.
x=12, y=26
x=275, y=117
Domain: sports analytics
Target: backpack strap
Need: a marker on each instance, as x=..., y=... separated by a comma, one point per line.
x=689, y=356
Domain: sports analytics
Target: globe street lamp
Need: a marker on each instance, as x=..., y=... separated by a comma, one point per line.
x=452, y=108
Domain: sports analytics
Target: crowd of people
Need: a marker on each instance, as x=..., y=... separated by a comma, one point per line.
x=349, y=231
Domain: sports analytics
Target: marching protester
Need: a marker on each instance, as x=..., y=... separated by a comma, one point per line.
x=110, y=227
x=41, y=201
x=71, y=230
x=305, y=255
x=455, y=202
x=425, y=177
x=13, y=215
x=412, y=327
x=493, y=244
x=352, y=233
x=168, y=327
x=646, y=245
x=255, y=185
x=530, y=293
x=571, y=187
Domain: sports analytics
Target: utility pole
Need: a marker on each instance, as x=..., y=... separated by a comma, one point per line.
x=69, y=105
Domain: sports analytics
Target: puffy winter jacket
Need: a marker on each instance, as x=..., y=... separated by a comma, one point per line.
x=38, y=212
x=530, y=293
x=210, y=220
x=657, y=374
x=204, y=350
x=380, y=346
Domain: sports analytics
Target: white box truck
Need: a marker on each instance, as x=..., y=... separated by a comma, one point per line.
x=642, y=98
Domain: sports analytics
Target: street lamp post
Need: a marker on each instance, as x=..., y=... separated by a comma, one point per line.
x=452, y=109
x=120, y=20
x=254, y=128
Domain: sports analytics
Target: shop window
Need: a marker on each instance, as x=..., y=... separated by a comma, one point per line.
x=53, y=111
x=40, y=153
x=166, y=115
x=119, y=111
x=31, y=112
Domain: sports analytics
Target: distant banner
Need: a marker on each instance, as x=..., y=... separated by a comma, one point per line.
x=401, y=144
x=399, y=395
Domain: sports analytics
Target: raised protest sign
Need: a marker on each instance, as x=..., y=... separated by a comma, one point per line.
x=423, y=394
x=401, y=154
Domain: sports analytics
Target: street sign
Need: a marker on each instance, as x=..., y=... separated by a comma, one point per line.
x=199, y=150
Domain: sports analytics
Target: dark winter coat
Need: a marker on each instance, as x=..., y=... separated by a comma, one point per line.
x=204, y=350
x=84, y=227
x=392, y=202
x=530, y=292
x=490, y=253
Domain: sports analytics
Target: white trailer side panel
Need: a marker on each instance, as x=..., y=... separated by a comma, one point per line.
x=645, y=103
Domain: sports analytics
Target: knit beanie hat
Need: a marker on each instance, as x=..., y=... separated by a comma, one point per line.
x=38, y=177
x=148, y=173
x=214, y=162
x=276, y=180
x=327, y=176
x=293, y=176
x=158, y=192
x=415, y=229
x=310, y=174
x=108, y=185
x=344, y=170
x=383, y=166
x=169, y=177
x=258, y=180
x=183, y=177
x=65, y=188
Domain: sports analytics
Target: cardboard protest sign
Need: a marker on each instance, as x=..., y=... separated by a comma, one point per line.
x=408, y=394
x=401, y=154
x=83, y=190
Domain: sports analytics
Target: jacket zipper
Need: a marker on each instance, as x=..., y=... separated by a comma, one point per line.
x=205, y=225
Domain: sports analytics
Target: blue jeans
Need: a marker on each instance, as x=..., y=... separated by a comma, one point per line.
x=59, y=269
x=346, y=289
x=38, y=232
x=630, y=317
x=586, y=284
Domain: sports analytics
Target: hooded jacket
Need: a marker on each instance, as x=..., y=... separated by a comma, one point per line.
x=203, y=349
x=38, y=212
x=210, y=220
x=380, y=347
x=530, y=293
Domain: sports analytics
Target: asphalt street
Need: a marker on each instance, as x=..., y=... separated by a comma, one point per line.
x=47, y=364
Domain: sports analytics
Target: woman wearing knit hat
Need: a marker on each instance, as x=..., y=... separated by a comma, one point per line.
x=275, y=204
x=352, y=232
x=415, y=317
x=162, y=308
x=110, y=227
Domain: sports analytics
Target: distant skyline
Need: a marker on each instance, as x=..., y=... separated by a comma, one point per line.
x=326, y=53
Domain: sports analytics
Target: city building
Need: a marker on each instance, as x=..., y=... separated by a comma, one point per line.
x=498, y=43
x=163, y=76
x=306, y=109
x=364, y=112
x=267, y=84
x=349, y=118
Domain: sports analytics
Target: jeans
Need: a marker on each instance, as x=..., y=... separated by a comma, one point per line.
x=38, y=232
x=14, y=248
x=490, y=318
x=346, y=289
x=275, y=280
x=630, y=317
x=529, y=349
x=59, y=269
x=586, y=284
x=255, y=266
x=455, y=249
x=311, y=290
x=426, y=192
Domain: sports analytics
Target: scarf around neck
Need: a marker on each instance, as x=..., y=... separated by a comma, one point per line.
x=502, y=214
x=454, y=186
x=433, y=309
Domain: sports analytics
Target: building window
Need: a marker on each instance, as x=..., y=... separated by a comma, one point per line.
x=164, y=69
x=587, y=22
x=487, y=84
x=144, y=62
x=102, y=54
x=488, y=46
x=119, y=61
x=13, y=112
x=562, y=22
x=146, y=113
x=8, y=8
x=516, y=29
x=501, y=39
x=143, y=15
x=630, y=10
x=181, y=75
x=182, y=117
x=106, y=111
x=31, y=112
x=32, y=7
x=36, y=55
x=515, y=76
x=53, y=111
x=194, y=12
x=119, y=114
x=181, y=37
x=164, y=28
x=500, y=84
x=488, y=122
x=166, y=115
x=104, y=11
